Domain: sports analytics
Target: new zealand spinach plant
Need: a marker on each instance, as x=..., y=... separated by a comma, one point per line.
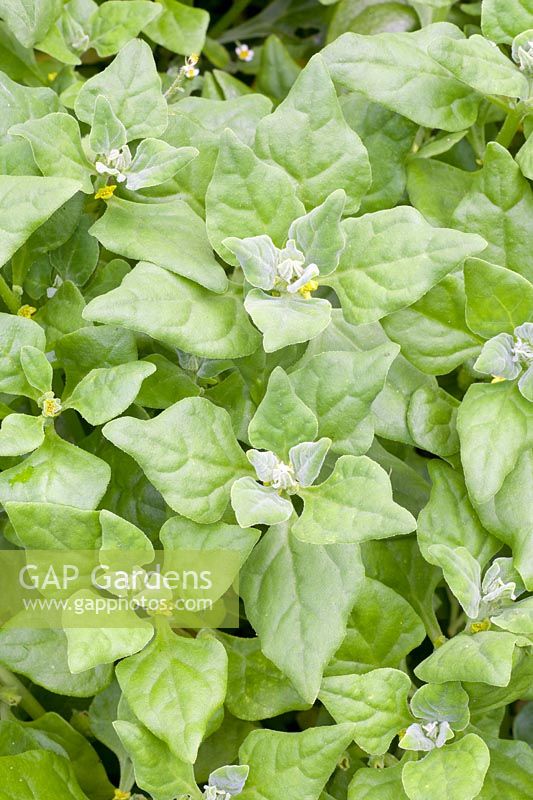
x=266, y=299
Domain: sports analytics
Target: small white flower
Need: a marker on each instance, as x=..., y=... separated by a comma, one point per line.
x=50, y=405
x=115, y=163
x=191, y=72
x=272, y=471
x=244, y=53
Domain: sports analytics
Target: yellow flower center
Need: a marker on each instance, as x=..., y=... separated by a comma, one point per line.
x=52, y=76
x=307, y=289
x=50, y=405
x=120, y=795
x=26, y=311
x=477, y=627
x=497, y=379
x=106, y=192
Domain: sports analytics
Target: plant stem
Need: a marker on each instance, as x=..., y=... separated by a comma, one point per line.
x=227, y=19
x=10, y=298
x=28, y=701
x=510, y=126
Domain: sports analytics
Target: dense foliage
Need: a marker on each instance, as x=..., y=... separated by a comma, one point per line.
x=266, y=290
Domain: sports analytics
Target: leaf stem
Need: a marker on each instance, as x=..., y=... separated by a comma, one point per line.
x=9, y=297
x=510, y=126
x=227, y=19
x=28, y=701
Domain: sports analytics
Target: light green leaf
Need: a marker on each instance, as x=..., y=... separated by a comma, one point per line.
x=15, y=333
x=180, y=28
x=255, y=504
x=198, y=458
x=456, y=770
x=90, y=645
x=431, y=419
x=322, y=153
x=105, y=393
x=36, y=368
x=176, y=674
x=237, y=204
x=41, y=655
x=495, y=428
x=25, y=203
x=38, y=773
x=56, y=145
x=305, y=627
x=107, y=131
x=256, y=688
x=445, y=702
x=51, y=526
x=292, y=764
x=374, y=639
x=340, y=388
x=502, y=20
x=76, y=259
x=166, y=385
x=395, y=70
x=391, y=259
x=29, y=20
x=510, y=771
x=21, y=103
x=62, y=313
x=485, y=657
x=462, y=574
x=376, y=704
x=173, y=236
x=433, y=333
x=178, y=313
x=497, y=300
x=450, y=519
x=21, y=434
x=57, y=472
x=282, y=419
x=377, y=784
x=319, y=234
x=481, y=65
x=115, y=22
x=88, y=348
x=288, y=319
x=133, y=88
x=354, y=504
x=156, y=161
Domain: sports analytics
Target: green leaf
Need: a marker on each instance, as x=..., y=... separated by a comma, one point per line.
x=502, y=20
x=180, y=28
x=198, y=457
x=16, y=333
x=433, y=333
x=21, y=434
x=476, y=62
x=494, y=424
x=76, y=259
x=497, y=300
x=236, y=203
x=88, y=348
x=105, y=393
x=510, y=771
x=166, y=385
x=157, y=770
x=456, y=770
x=37, y=368
x=462, y=574
x=485, y=657
x=255, y=504
x=288, y=319
x=256, y=687
x=308, y=624
x=56, y=145
x=107, y=131
x=173, y=236
x=376, y=704
x=354, y=504
x=41, y=655
x=116, y=22
x=391, y=259
x=292, y=764
x=374, y=639
x=25, y=203
x=29, y=20
x=445, y=702
x=57, y=472
x=90, y=646
x=395, y=70
x=133, y=88
x=62, y=313
x=21, y=103
x=450, y=519
x=340, y=388
x=277, y=69
x=156, y=161
x=319, y=234
x=282, y=419
x=322, y=153
x=178, y=313
x=38, y=774
x=377, y=784
x=431, y=418
x=176, y=670
x=498, y=206
x=51, y=526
